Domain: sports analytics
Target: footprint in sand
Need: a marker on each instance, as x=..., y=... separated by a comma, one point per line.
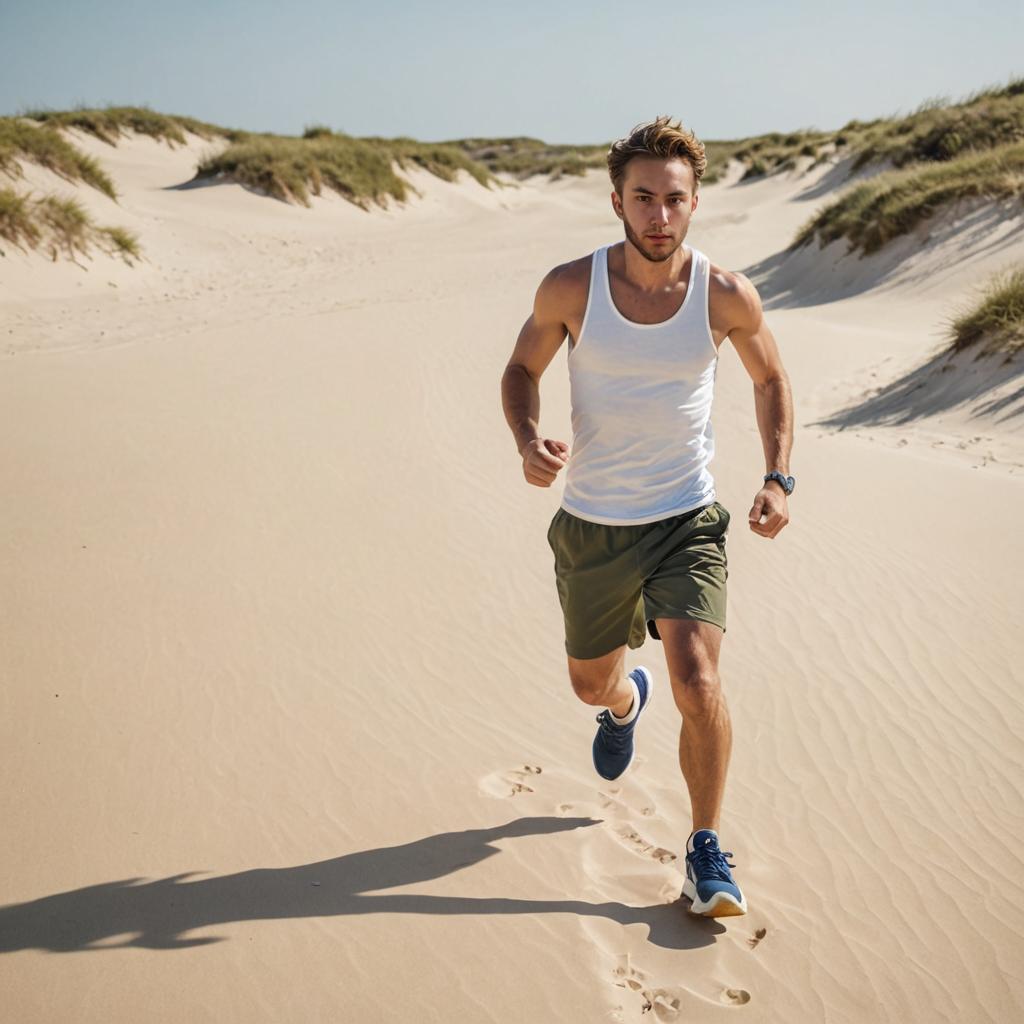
x=627, y=976
x=757, y=937
x=612, y=800
x=510, y=783
x=735, y=996
x=665, y=1004
x=639, y=845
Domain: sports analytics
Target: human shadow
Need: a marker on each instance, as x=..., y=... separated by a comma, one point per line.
x=158, y=915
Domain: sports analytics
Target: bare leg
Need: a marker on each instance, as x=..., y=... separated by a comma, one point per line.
x=705, y=739
x=602, y=681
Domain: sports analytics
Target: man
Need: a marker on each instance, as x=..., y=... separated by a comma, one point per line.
x=639, y=539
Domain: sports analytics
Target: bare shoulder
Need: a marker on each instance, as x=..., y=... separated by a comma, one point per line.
x=568, y=282
x=562, y=296
x=733, y=299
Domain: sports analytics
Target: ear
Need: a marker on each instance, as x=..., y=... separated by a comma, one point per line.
x=616, y=204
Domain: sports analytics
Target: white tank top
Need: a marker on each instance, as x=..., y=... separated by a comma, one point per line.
x=641, y=407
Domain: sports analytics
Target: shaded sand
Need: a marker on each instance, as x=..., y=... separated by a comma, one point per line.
x=286, y=724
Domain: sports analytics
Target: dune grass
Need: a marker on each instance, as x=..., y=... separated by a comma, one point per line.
x=110, y=123
x=995, y=323
x=523, y=156
x=60, y=226
x=938, y=130
x=17, y=224
x=359, y=169
x=441, y=159
x=43, y=145
x=893, y=203
x=362, y=169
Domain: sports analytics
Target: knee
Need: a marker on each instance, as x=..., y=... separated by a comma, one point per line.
x=698, y=693
x=591, y=689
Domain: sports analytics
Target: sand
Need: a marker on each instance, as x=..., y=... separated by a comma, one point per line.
x=288, y=733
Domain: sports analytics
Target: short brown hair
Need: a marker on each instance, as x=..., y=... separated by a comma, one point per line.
x=661, y=137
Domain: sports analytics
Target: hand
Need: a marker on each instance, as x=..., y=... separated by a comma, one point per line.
x=771, y=502
x=542, y=459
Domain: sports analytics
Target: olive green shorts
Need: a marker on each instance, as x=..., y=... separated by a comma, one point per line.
x=614, y=581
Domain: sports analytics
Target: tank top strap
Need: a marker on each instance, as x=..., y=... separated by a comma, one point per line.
x=700, y=306
x=599, y=280
x=700, y=271
x=596, y=311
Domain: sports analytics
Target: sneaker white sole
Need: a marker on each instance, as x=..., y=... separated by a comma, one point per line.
x=721, y=904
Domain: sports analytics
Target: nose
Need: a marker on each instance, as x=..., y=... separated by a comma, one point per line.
x=659, y=216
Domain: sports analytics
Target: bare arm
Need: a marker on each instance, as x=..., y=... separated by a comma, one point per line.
x=773, y=403
x=540, y=338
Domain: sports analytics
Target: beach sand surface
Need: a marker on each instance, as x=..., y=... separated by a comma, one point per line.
x=287, y=727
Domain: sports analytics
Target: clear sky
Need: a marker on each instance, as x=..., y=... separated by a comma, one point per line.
x=574, y=72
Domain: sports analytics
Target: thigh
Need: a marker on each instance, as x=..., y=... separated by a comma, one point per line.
x=685, y=569
x=692, y=649
x=599, y=585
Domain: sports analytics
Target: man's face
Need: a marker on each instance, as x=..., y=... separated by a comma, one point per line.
x=658, y=200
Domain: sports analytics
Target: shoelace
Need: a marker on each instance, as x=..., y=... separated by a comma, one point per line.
x=710, y=862
x=614, y=737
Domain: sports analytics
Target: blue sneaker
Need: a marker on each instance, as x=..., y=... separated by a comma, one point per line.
x=613, y=744
x=709, y=883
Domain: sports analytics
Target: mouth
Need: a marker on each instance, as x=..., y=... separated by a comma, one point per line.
x=659, y=238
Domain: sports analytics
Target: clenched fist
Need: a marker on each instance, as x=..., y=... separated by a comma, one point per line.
x=542, y=459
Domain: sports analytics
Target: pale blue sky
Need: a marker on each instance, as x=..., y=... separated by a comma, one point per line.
x=565, y=72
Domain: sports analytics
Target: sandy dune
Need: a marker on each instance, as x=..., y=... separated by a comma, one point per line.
x=287, y=728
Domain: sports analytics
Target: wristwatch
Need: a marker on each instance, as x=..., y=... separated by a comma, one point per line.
x=788, y=482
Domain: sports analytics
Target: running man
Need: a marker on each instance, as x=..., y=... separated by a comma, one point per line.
x=639, y=537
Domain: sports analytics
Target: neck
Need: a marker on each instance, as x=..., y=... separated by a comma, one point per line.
x=650, y=275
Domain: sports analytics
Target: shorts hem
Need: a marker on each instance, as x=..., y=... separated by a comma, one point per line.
x=600, y=654
x=652, y=628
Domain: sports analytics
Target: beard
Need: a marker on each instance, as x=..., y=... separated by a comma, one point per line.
x=638, y=243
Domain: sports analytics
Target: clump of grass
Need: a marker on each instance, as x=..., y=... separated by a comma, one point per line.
x=892, y=204
x=360, y=170
x=118, y=241
x=66, y=224
x=755, y=169
x=16, y=221
x=59, y=225
x=44, y=146
x=289, y=169
x=995, y=323
x=316, y=131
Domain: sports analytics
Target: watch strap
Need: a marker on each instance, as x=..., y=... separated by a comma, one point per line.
x=787, y=482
